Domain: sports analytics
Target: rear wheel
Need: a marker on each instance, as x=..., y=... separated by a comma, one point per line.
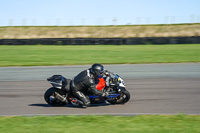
x=50, y=93
x=123, y=98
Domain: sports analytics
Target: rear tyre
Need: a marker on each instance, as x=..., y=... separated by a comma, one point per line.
x=51, y=92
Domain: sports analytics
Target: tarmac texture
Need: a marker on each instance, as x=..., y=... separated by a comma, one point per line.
x=154, y=89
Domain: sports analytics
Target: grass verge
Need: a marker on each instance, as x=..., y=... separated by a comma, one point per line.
x=40, y=55
x=99, y=124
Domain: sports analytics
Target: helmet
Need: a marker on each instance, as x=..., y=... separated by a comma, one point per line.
x=97, y=69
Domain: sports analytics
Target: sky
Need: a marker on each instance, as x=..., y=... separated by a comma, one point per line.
x=98, y=12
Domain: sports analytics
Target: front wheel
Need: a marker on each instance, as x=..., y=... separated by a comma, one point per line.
x=123, y=98
x=51, y=93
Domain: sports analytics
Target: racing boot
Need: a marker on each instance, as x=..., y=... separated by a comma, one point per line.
x=76, y=102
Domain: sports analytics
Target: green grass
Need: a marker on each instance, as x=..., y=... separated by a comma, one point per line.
x=100, y=124
x=40, y=55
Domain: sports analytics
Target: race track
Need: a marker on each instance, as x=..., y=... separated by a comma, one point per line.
x=154, y=88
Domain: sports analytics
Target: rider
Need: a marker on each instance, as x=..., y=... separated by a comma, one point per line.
x=88, y=80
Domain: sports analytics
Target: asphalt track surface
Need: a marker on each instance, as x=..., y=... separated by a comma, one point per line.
x=154, y=89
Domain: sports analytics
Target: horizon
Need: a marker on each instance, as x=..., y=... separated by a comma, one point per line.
x=98, y=13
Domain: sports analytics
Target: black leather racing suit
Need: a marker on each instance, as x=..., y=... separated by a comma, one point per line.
x=83, y=83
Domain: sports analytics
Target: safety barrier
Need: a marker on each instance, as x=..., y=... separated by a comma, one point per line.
x=103, y=41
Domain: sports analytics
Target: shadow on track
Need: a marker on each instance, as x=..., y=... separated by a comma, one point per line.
x=68, y=105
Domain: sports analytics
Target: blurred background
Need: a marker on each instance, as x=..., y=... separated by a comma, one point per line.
x=98, y=12
x=23, y=19
x=193, y=18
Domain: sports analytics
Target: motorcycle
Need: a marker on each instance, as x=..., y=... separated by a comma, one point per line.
x=60, y=92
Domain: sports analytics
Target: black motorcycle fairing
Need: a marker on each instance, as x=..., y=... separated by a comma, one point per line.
x=59, y=82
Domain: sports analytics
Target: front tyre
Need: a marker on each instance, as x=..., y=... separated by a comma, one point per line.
x=51, y=93
x=123, y=98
